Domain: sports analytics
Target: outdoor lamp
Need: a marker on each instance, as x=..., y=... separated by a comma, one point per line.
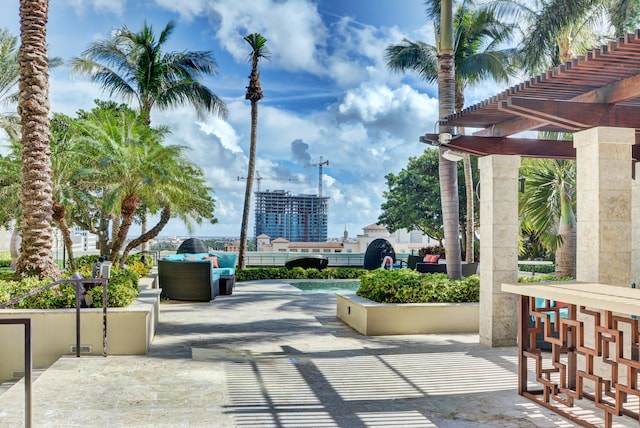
x=452, y=155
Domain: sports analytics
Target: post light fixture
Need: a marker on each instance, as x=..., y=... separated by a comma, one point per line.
x=452, y=155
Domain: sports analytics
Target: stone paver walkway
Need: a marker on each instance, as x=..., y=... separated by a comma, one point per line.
x=270, y=356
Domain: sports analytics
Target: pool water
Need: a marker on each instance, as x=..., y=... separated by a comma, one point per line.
x=327, y=286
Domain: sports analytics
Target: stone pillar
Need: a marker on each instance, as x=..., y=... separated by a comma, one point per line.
x=635, y=226
x=603, y=162
x=498, y=248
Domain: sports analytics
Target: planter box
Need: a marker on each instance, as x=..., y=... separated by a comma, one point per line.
x=129, y=332
x=377, y=319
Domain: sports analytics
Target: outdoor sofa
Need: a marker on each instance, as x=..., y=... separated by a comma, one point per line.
x=197, y=277
x=431, y=264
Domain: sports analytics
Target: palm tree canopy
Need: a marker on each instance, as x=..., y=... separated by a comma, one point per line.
x=479, y=40
x=549, y=198
x=258, y=50
x=555, y=31
x=133, y=66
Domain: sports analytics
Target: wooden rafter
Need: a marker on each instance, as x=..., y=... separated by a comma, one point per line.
x=600, y=88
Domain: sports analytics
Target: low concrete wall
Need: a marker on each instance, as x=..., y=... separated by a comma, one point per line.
x=377, y=319
x=130, y=331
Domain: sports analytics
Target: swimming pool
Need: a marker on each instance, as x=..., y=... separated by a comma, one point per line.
x=327, y=286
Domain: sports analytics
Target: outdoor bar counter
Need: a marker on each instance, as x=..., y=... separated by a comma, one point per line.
x=592, y=333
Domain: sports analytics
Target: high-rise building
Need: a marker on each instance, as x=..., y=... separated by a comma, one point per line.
x=299, y=218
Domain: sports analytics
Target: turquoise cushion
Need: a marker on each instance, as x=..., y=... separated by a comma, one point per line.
x=564, y=312
x=226, y=260
x=226, y=271
x=174, y=257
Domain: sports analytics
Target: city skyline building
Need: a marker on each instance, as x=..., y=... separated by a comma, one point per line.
x=296, y=218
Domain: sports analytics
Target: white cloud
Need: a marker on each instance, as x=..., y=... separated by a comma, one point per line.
x=294, y=30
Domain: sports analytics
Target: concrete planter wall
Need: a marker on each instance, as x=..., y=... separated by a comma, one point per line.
x=377, y=319
x=129, y=332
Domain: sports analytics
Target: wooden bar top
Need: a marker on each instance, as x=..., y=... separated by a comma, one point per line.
x=593, y=295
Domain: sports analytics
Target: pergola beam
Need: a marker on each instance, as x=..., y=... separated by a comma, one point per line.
x=574, y=115
x=615, y=92
x=525, y=147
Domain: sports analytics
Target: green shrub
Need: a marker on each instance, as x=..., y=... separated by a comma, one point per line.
x=5, y=259
x=409, y=286
x=118, y=294
x=538, y=268
x=87, y=260
x=544, y=278
x=122, y=290
x=256, y=274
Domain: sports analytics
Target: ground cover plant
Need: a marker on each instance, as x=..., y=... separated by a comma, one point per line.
x=409, y=286
x=121, y=291
x=256, y=274
x=545, y=278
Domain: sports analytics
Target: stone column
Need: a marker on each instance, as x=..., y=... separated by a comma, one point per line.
x=498, y=248
x=603, y=162
x=635, y=226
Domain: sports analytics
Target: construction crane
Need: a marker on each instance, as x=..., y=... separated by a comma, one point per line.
x=319, y=165
x=259, y=178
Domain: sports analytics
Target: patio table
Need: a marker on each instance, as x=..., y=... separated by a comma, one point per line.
x=595, y=353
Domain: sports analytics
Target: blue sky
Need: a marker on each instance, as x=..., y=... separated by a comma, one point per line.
x=327, y=93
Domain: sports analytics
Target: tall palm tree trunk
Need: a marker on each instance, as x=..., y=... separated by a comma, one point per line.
x=242, y=257
x=448, y=171
x=254, y=94
x=59, y=216
x=566, y=253
x=36, y=199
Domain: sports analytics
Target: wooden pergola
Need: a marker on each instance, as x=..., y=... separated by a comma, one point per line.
x=600, y=88
x=595, y=343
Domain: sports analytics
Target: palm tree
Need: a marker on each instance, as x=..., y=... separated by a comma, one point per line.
x=63, y=167
x=36, y=257
x=558, y=30
x=254, y=94
x=182, y=193
x=134, y=67
x=547, y=208
x=479, y=35
x=127, y=158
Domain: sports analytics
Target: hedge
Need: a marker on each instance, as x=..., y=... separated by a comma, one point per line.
x=409, y=286
x=256, y=274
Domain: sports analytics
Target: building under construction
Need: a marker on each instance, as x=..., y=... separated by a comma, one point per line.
x=301, y=218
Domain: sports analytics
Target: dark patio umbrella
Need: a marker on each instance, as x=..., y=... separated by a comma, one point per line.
x=376, y=251
x=192, y=246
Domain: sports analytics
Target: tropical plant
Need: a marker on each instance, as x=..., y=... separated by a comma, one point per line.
x=133, y=66
x=558, y=30
x=126, y=156
x=254, y=94
x=183, y=194
x=36, y=257
x=547, y=207
x=478, y=54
